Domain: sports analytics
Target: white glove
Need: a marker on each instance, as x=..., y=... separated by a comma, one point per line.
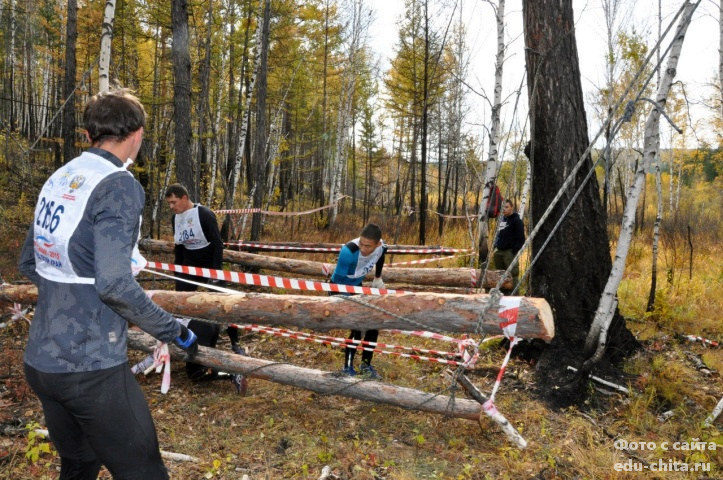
x=378, y=283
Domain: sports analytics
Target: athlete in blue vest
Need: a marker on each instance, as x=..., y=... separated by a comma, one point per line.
x=78, y=252
x=356, y=259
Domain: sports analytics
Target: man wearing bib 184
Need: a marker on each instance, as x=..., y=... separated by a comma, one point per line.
x=356, y=259
x=198, y=244
x=78, y=252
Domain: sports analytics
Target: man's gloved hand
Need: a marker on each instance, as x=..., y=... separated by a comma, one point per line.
x=378, y=283
x=187, y=340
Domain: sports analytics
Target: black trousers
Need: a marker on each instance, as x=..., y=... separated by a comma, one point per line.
x=207, y=333
x=369, y=336
x=99, y=418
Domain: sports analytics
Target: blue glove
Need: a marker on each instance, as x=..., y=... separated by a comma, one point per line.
x=188, y=341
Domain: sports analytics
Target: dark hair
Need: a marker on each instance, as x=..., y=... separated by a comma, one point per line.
x=115, y=114
x=372, y=232
x=511, y=201
x=176, y=189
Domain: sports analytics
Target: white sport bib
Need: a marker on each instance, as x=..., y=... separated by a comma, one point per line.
x=58, y=213
x=188, y=230
x=366, y=264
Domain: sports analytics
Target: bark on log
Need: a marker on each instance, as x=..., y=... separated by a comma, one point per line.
x=449, y=277
x=305, y=246
x=319, y=381
x=428, y=311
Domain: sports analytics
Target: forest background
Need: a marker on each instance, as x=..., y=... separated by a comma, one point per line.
x=332, y=121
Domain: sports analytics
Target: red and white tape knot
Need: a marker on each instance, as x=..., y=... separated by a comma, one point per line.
x=469, y=352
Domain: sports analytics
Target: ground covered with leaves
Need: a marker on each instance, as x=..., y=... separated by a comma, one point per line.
x=284, y=432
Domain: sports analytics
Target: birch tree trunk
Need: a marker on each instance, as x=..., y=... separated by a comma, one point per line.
x=720, y=58
x=218, y=140
x=597, y=336
x=492, y=164
x=671, y=178
x=656, y=236
x=525, y=191
x=243, y=132
x=105, y=43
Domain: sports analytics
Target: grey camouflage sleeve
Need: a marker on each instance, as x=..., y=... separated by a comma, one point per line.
x=117, y=208
x=26, y=264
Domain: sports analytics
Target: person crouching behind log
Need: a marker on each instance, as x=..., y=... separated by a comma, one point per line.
x=510, y=238
x=356, y=259
x=198, y=244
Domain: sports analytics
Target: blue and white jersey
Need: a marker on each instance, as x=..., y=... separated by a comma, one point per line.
x=352, y=266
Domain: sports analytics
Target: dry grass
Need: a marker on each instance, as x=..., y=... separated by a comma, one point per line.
x=283, y=432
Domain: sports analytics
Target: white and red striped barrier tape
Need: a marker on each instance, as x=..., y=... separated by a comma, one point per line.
x=509, y=309
x=704, y=341
x=347, y=341
x=427, y=260
x=271, y=281
x=238, y=211
x=362, y=345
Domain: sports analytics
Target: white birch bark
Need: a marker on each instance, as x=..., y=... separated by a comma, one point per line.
x=677, y=194
x=217, y=145
x=720, y=57
x=45, y=100
x=358, y=31
x=605, y=311
x=105, y=42
x=656, y=237
x=492, y=161
x=671, y=169
x=525, y=191
x=244, y=125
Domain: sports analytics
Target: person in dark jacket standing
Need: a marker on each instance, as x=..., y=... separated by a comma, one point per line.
x=198, y=244
x=510, y=238
x=78, y=251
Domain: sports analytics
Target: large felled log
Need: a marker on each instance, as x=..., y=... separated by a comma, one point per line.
x=450, y=277
x=325, y=247
x=320, y=381
x=428, y=311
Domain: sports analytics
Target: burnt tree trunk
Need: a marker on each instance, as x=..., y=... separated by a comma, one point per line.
x=572, y=271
